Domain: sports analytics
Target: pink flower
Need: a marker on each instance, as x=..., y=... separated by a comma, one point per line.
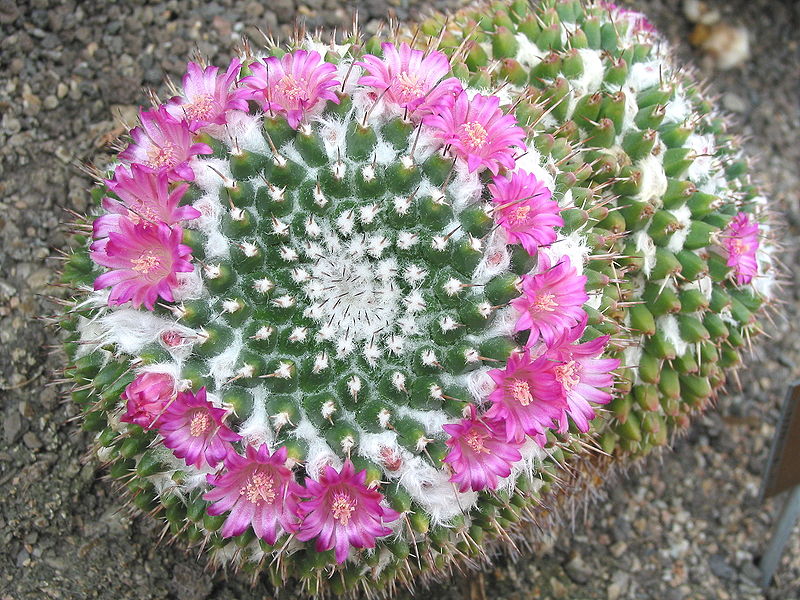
x=145, y=198
x=526, y=399
x=343, y=512
x=479, y=453
x=551, y=300
x=144, y=262
x=162, y=143
x=580, y=374
x=207, y=96
x=292, y=85
x=525, y=210
x=146, y=397
x=410, y=79
x=258, y=490
x=478, y=131
x=193, y=429
x=637, y=20
x=740, y=241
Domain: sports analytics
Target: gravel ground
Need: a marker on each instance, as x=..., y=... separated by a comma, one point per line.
x=684, y=525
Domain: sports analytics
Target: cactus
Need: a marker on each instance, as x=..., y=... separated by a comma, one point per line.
x=375, y=307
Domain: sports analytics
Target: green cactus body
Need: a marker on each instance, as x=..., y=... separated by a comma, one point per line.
x=352, y=290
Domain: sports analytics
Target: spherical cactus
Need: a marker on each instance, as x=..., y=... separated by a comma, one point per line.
x=367, y=309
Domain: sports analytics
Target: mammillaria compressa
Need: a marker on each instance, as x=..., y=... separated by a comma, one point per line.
x=354, y=313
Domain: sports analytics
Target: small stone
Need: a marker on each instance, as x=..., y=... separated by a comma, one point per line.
x=619, y=585
x=50, y=102
x=8, y=11
x=621, y=529
x=577, y=570
x=31, y=441
x=618, y=549
x=734, y=103
x=62, y=90
x=63, y=155
x=720, y=567
x=749, y=572
x=559, y=589
x=12, y=425
x=23, y=558
x=253, y=10
x=26, y=409
x=16, y=66
x=10, y=124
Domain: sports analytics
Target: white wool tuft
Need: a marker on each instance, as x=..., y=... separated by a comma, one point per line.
x=374, y=446
x=496, y=258
x=644, y=75
x=169, y=368
x=632, y=355
x=433, y=490
x=669, y=325
x=256, y=430
x=528, y=54
x=478, y=382
x=703, y=147
x=704, y=284
x=190, y=285
x=243, y=132
x=678, y=108
x=426, y=143
x=504, y=321
x=684, y=216
x=654, y=180
x=130, y=329
x=531, y=161
x=593, y=72
x=532, y=456
x=567, y=200
x=320, y=454
x=465, y=189
x=333, y=133
x=210, y=174
x=221, y=366
x=631, y=108
x=431, y=420
x=715, y=184
x=573, y=247
x=595, y=300
x=645, y=245
x=384, y=153
x=347, y=73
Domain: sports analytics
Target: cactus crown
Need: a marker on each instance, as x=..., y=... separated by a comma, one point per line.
x=364, y=301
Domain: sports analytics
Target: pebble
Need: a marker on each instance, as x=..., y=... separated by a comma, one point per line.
x=558, y=589
x=620, y=581
x=577, y=570
x=734, y=102
x=10, y=124
x=31, y=441
x=12, y=426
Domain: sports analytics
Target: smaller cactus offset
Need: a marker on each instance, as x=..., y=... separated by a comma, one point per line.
x=365, y=310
